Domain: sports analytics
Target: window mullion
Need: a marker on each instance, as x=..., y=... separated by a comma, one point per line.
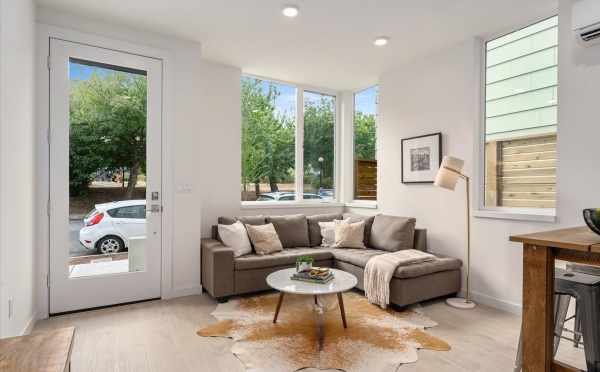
x=299, y=143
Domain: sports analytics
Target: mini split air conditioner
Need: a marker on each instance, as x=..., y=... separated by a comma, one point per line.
x=586, y=21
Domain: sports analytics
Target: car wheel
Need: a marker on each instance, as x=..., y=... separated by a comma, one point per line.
x=110, y=244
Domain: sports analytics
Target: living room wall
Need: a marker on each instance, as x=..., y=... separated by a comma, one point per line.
x=440, y=93
x=17, y=167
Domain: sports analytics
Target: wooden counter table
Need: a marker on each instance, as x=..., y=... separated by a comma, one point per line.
x=577, y=244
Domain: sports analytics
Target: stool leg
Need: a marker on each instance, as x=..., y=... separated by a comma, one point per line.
x=519, y=359
x=561, y=306
x=577, y=325
x=590, y=322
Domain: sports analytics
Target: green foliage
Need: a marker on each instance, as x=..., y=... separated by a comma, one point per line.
x=319, y=131
x=364, y=136
x=267, y=138
x=107, y=127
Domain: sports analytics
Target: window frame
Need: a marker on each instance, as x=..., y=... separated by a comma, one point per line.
x=357, y=203
x=495, y=212
x=299, y=148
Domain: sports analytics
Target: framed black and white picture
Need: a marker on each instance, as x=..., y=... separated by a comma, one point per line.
x=421, y=158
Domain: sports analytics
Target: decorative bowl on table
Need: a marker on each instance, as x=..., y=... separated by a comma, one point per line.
x=592, y=219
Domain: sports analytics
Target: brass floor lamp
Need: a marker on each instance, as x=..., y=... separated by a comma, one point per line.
x=447, y=177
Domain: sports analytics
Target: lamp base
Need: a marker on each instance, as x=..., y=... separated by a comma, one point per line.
x=460, y=303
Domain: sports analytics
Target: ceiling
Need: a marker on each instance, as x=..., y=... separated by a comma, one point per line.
x=329, y=44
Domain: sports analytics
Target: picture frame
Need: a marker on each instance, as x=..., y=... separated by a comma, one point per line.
x=421, y=158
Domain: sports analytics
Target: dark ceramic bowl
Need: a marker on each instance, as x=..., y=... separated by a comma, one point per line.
x=592, y=219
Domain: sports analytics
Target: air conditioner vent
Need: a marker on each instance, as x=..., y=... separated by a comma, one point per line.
x=590, y=35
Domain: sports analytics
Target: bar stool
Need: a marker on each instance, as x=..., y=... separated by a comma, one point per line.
x=585, y=289
x=585, y=269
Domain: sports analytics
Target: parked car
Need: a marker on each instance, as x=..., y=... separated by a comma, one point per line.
x=108, y=227
x=284, y=196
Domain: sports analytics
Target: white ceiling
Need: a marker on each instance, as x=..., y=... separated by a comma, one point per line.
x=329, y=44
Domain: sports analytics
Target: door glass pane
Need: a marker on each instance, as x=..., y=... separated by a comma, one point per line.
x=107, y=169
x=319, y=146
x=268, y=140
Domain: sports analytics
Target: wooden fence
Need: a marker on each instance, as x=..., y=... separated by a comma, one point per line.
x=365, y=179
x=521, y=173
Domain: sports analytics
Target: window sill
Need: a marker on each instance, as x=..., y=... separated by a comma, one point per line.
x=290, y=204
x=518, y=214
x=362, y=204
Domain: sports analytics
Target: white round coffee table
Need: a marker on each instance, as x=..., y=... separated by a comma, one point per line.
x=281, y=281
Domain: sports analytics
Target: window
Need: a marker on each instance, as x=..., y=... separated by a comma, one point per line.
x=275, y=131
x=521, y=86
x=134, y=211
x=319, y=153
x=365, y=140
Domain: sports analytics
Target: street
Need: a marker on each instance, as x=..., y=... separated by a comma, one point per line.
x=75, y=248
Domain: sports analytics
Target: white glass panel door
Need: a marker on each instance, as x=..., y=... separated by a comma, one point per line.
x=105, y=177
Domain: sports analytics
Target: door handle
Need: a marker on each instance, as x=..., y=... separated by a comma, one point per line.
x=156, y=208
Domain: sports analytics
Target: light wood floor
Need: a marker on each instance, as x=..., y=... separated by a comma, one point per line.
x=160, y=336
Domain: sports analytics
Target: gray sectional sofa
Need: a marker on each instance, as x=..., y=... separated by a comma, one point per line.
x=224, y=275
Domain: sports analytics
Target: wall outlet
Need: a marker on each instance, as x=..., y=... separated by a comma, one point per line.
x=10, y=308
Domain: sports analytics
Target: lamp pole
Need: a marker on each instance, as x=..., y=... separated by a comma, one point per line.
x=321, y=160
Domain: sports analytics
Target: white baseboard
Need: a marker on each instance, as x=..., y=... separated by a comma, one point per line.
x=181, y=292
x=29, y=326
x=496, y=303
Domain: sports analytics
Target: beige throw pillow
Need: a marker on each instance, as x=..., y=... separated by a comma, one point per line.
x=349, y=235
x=264, y=238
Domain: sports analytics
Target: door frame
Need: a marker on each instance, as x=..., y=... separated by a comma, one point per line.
x=44, y=34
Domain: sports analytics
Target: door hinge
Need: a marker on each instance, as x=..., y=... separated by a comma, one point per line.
x=49, y=135
x=48, y=206
x=48, y=280
x=49, y=62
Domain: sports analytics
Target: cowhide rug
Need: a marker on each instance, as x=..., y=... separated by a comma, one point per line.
x=313, y=336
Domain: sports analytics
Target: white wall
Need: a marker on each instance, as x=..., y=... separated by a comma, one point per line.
x=17, y=159
x=440, y=93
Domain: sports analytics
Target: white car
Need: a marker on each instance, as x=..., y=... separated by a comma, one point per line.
x=108, y=227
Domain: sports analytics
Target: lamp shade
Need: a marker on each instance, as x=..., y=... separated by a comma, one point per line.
x=450, y=170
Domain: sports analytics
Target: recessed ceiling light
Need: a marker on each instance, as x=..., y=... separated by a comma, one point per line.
x=381, y=40
x=290, y=11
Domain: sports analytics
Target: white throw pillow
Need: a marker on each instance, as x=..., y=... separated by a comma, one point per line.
x=349, y=235
x=264, y=238
x=236, y=237
x=328, y=232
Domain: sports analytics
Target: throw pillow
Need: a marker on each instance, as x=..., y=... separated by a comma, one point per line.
x=328, y=232
x=314, y=227
x=392, y=233
x=292, y=230
x=235, y=236
x=349, y=235
x=368, y=223
x=264, y=238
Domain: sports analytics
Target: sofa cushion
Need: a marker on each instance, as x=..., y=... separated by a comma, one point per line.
x=368, y=223
x=425, y=268
x=359, y=257
x=292, y=230
x=246, y=220
x=286, y=257
x=391, y=233
x=314, y=230
x=355, y=256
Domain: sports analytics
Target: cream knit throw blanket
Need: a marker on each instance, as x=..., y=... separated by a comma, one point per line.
x=380, y=270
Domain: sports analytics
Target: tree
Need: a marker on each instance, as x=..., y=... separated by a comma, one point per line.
x=319, y=121
x=107, y=128
x=364, y=136
x=267, y=138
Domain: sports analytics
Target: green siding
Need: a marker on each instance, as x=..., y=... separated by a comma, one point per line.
x=521, y=80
